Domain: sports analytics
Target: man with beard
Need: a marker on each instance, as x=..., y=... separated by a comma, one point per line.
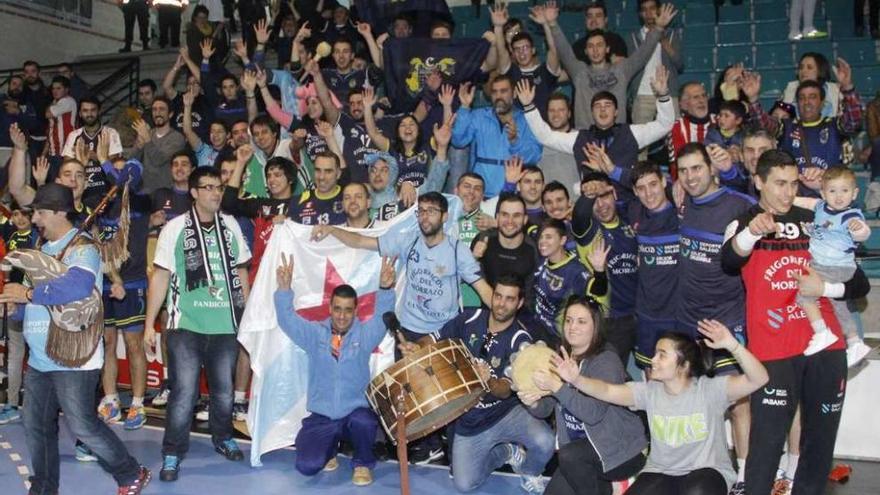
x=620, y=141
x=693, y=125
x=522, y=61
x=13, y=112
x=125, y=115
x=155, y=146
x=508, y=251
x=494, y=133
x=356, y=142
x=705, y=290
x=356, y=205
x=321, y=205
x=88, y=136
x=35, y=99
x=600, y=75
x=498, y=430
x=435, y=266
x=816, y=142
x=768, y=244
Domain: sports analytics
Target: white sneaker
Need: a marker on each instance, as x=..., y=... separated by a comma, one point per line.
x=517, y=457
x=820, y=341
x=855, y=353
x=161, y=399
x=795, y=36
x=533, y=484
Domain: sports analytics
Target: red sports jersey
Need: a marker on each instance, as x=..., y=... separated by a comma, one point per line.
x=776, y=325
x=63, y=123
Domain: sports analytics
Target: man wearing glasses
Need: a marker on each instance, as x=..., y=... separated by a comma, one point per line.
x=201, y=256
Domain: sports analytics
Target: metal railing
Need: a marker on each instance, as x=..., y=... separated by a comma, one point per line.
x=118, y=88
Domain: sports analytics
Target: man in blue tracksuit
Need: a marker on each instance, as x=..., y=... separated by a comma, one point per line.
x=339, y=350
x=494, y=133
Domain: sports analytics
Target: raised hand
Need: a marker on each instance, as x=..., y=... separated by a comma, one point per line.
x=763, y=224
x=303, y=33
x=480, y=246
x=189, y=97
x=325, y=130
x=564, y=366
x=239, y=50
x=19, y=139
x=466, y=94
x=261, y=29
x=261, y=77
x=249, y=81
x=81, y=149
x=447, y=95
x=369, y=97
x=751, y=85
x=667, y=13
x=443, y=134
x=551, y=12
x=364, y=29
x=717, y=335
x=537, y=14
x=843, y=74
x=284, y=272
x=498, y=13
x=720, y=158
x=513, y=169
x=525, y=92
x=598, y=257
x=41, y=170
x=207, y=46
x=660, y=81
x=102, y=147
x=243, y=155
x=387, y=275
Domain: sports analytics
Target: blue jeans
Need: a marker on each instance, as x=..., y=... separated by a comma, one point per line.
x=475, y=457
x=74, y=393
x=318, y=440
x=187, y=352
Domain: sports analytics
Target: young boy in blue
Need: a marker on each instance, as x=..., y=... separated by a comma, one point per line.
x=837, y=227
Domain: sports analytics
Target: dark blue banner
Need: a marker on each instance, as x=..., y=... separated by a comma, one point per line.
x=409, y=61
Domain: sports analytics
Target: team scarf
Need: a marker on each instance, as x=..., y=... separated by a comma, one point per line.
x=198, y=270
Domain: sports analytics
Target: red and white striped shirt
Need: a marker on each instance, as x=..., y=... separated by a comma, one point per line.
x=64, y=117
x=685, y=131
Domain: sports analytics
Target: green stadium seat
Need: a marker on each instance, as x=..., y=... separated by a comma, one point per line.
x=773, y=81
x=702, y=13
x=699, y=34
x=730, y=55
x=774, y=55
x=866, y=79
x=858, y=51
x=825, y=47
x=734, y=13
x=699, y=57
x=771, y=9
x=768, y=31
x=738, y=33
x=705, y=77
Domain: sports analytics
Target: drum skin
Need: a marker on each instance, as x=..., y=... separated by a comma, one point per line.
x=525, y=362
x=437, y=383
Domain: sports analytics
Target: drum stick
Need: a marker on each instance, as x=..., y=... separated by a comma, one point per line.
x=400, y=433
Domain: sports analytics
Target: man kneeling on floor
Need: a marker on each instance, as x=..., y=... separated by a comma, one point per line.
x=339, y=352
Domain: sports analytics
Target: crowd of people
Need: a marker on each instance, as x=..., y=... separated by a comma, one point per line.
x=721, y=265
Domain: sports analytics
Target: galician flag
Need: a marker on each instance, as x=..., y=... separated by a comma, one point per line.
x=280, y=368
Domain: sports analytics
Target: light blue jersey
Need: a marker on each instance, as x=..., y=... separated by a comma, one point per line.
x=36, y=317
x=831, y=243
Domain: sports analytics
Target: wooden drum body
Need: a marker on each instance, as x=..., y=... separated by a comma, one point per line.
x=438, y=383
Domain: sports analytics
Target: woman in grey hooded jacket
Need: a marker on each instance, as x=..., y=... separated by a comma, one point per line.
x=598, y=442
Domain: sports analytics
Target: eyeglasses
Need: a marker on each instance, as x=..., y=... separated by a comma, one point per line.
x=428, y=212
x=211, y=188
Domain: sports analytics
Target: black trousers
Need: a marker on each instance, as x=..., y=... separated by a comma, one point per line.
x=818, y=384
x=621, y=333
x=705, y=481
x=873, y=13
x=580, y=471
x=169, y=24
x=136, y=10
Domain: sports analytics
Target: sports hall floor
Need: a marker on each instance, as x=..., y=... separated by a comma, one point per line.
x=205, y=472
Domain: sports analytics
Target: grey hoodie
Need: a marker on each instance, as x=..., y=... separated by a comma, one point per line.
x=616, y=433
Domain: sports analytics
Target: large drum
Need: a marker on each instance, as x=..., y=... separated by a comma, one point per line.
x=438, y=384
